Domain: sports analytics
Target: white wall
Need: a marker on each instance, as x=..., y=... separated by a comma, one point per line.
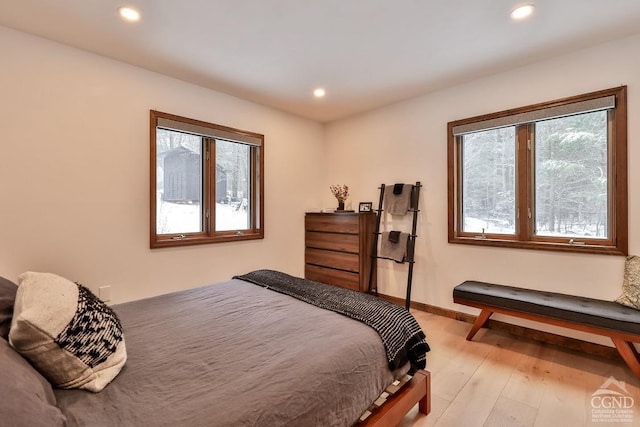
x=74, y=172
x=407, y=142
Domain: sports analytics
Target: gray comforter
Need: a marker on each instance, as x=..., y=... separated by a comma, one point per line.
x=401, y=334
x=236, y=354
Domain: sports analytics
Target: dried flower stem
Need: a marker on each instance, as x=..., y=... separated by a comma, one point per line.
x=340, y=192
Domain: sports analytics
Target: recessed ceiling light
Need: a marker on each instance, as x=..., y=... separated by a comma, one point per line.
x=129, y=14
x=319, y=92
x=522, y=12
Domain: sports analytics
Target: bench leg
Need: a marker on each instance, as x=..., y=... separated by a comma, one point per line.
x=629, y=354
x=480, y=321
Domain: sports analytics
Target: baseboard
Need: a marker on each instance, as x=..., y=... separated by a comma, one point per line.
x=573, y=344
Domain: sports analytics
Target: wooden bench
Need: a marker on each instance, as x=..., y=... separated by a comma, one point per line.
x=607, y=318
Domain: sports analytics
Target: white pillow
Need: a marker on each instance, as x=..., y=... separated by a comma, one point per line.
x=631, y=283
x=68, y=334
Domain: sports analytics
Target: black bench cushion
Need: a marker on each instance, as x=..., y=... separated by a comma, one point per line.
x=587, y=311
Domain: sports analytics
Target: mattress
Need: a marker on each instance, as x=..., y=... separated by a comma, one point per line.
x=236, y=354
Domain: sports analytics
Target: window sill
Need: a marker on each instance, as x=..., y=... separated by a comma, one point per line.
x=199, y=240
x=535, y=245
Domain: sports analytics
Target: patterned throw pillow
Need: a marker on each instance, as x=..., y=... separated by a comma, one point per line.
x=69, y=335
x=631, y=284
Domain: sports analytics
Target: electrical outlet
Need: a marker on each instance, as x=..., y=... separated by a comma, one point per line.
x=104, y=293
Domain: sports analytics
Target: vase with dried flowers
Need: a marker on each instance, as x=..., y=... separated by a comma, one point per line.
x=340, y=192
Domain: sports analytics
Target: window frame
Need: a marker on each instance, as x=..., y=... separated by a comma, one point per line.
x=524, y=236
x=209, y=233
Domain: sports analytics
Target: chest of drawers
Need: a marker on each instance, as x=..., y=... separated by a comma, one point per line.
x=338, y=248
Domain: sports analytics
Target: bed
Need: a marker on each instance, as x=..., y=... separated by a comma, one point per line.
x=239, y=353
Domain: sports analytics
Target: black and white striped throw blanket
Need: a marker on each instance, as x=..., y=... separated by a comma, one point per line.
x=400, y=333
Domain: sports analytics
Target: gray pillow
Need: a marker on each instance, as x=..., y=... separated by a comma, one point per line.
x=7, y=298
x=27, y=399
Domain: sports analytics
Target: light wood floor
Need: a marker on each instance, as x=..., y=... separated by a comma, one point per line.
x=501, y=380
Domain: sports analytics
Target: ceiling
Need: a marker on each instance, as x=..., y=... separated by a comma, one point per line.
x=365, y=53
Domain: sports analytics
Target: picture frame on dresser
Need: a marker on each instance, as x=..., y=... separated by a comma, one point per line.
x=365, y=206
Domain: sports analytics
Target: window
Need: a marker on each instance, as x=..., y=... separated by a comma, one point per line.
x=206, y=182
x=548, y=176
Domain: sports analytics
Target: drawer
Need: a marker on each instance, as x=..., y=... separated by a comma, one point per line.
x=333, y=241
x=332, y=277
x=340, y=260
x=333, y=223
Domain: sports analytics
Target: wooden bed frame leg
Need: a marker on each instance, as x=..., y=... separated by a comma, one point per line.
x=424, y=405
x=629, y=354
x=480, y=321
x=417, y=390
